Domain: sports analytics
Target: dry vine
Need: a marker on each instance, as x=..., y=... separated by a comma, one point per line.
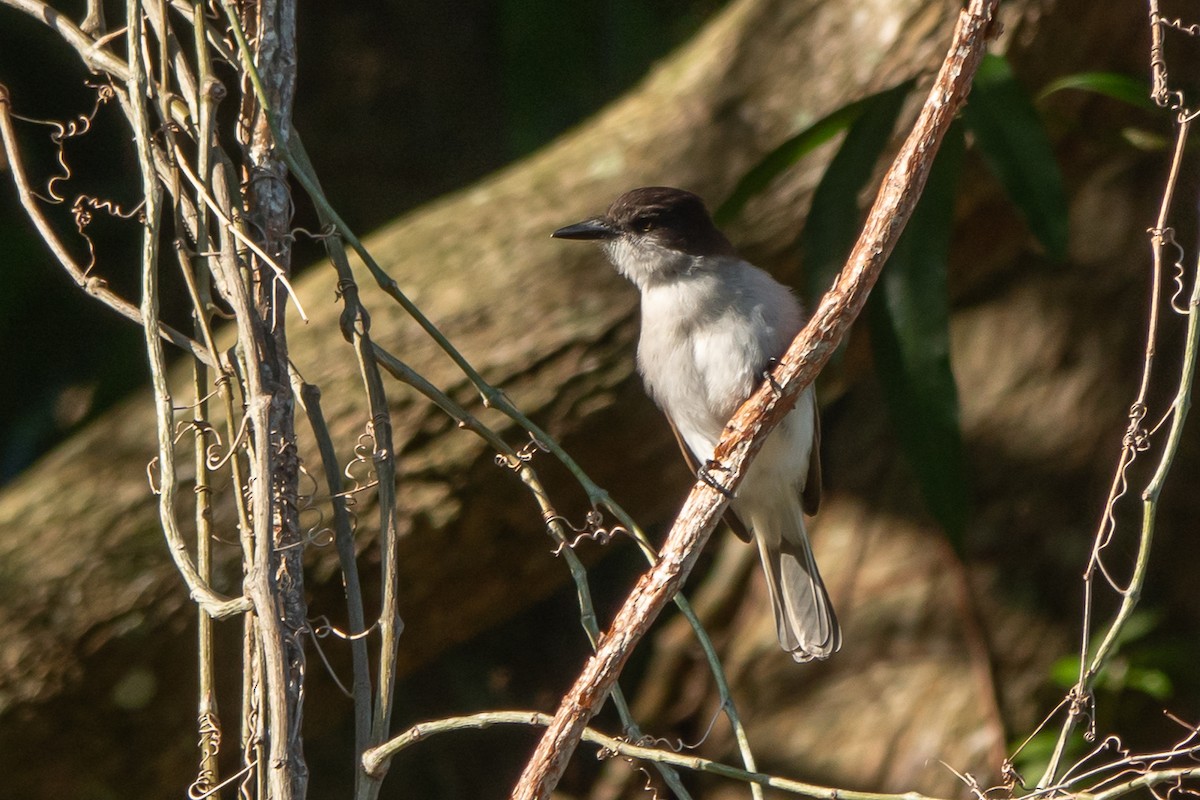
x=232, y=242
x=1138, y=439
x=228, y=224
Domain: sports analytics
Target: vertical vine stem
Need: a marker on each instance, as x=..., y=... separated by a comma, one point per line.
x=745, y=433
x=277, y=576
x=1092, y=662
x=309, y=397
x=372, y=717
x=211, y=601
x=199, y=288
x=1079, y=700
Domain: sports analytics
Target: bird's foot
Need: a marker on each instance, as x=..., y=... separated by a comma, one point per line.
x=705, y=473
x=769, y=376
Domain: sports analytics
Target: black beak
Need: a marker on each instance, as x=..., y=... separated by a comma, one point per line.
x=594, y=228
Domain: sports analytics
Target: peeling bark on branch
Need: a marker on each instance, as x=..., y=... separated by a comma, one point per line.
x=758, y=416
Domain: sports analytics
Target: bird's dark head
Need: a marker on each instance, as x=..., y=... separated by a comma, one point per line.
x=654, y=233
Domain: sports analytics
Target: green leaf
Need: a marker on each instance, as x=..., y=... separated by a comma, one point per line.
x=1138, y=625
x=1125, y=88
x=1150, y=681
x=785, y=155
x=910, y=335
x=834, y=219
x=1064, y=672
x=1013, y=143
x=1033, y=756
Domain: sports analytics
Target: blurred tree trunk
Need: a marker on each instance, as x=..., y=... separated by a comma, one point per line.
x=930, y=670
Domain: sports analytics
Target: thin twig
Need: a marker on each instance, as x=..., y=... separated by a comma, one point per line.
x=1092, y=662
x=310, y=400
x=259, y=579
x=210, y=723
x=94, y=286
x=377, y=758
x=280, y=274
x=356, y=328
x=211, y=601
x=171, y=54
x=96, y=57
x=276, y=579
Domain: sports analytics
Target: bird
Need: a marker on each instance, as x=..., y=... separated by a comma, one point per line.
x=712, y=326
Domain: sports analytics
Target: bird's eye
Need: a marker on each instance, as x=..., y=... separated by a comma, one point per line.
x=643, y=224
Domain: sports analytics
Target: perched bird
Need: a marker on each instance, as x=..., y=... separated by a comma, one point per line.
x=712, y=327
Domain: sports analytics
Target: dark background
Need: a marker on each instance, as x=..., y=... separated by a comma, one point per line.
x=397, y=102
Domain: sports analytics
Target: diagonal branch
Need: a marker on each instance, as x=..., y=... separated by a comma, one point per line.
x=744, y=435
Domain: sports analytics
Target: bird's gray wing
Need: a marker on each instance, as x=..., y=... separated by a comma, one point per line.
x=810, y=495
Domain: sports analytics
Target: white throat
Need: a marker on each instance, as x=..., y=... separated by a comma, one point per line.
x=645, y=263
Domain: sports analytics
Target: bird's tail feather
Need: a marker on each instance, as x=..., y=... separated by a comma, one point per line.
x=804, y=618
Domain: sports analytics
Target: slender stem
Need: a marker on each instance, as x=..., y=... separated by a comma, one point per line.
x=96, y=57
x=92, y=285
x=356, y=328
x=390, y=624
x=210, y=725
x=172, y=63
x=1143, y=782
x=376, y=759
x=1150, y=496
x=1158, y=242
x=201, y=296
x=1092, y=662
x=278, y=572
x=310, y=399
x=211, y=601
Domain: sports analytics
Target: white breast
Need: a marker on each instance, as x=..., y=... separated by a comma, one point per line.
x=706, y=338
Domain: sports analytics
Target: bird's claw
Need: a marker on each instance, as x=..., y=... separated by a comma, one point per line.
x=705, y=473
x=769, y=377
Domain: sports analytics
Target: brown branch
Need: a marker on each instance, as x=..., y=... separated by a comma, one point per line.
x=277, y=575
x=744, y=435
